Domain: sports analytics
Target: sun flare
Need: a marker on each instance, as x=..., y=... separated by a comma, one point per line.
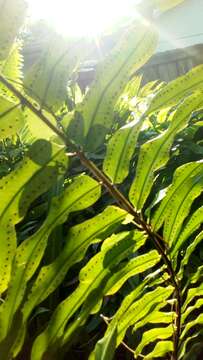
x=82, y=17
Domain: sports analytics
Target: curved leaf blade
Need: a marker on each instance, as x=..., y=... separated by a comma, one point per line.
x=120, y=150
x=12, y=15
x=155, y=153
x=186, y=186
x=33, y=176
x=96, y=112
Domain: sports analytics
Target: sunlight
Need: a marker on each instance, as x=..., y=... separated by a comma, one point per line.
x=82, y=17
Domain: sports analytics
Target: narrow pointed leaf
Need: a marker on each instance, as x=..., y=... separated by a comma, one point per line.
x=120, y=150
x=177, y=89
x=96, y=112
x=90, y=290
x=192, y=293
x=46, y=79
x=133, y=267
x=11, y=118
x=33, y=176
x=139, y=309
x=154, y=154
x=78, y=239
x=164, y=5
x=153, y=335
x=189, y=251
x=190, y=309
x=156, y=317
x=161, y=349
x=191, y=324
x=187, y=185
x=11, y=68
x=192, y=225
x=82, y=193
x=12, y=16
x=105, y=348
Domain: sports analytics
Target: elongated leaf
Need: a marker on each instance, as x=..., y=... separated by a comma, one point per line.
x=197, y=275
x=82, y=193
x=156, y=317
x=78, y=239
x=123, y=105
x=192, y=353
x=139, y=309
x=120, y=150
x=12, y=14
x=32, y=177
x=132, y=268
x=92, y=276
x=96, y=112
x=105, y=348
x=197, y=321
x=177, y=89
x=161, y=348
x=11, y=69
x=164, y=5
x=11, y=118
x=189, y=309
x=153, y=335
x=36, y=128
x=155, y=153
x=193, y=224
x=189, y=251
x=187, y=185
x=192, y=293
x=46, y=80
x=88, y=305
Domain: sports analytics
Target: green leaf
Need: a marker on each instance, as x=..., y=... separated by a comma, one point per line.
x=105, y=348
x=96, y=112
x=194, y=350
x=120, y=150
x=177, y=89
x=165, y=5
x=46, y=80
x=153, y=335
x=155, y=153
x=123, y=105
x=33, y=176
x=82, y=193
x=156, y=317
x=189, y=251
x=90, y=290
x=78, y=240
x=37, y=129
x=11, y=69
x=161, y=348
x=135, y=266
x=191, y=324
x=190, y=309
x=11, y=118
x=192, y=293
x=130, y=312
x=192, y=225
x=186, y=186
x=12, y=15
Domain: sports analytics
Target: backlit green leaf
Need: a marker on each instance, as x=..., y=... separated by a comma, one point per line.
x=154, y=154
x=12, y=15
x=95, y=115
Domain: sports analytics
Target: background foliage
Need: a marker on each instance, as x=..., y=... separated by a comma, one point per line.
x=101, y=200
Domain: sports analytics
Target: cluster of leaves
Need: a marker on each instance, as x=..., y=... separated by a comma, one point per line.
x=121, y=227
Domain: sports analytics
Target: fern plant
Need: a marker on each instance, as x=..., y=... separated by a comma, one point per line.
x=150, y=234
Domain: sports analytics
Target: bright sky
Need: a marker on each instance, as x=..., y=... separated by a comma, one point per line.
x=81, y=17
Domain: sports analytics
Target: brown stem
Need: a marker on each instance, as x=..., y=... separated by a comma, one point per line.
x=121, y=200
